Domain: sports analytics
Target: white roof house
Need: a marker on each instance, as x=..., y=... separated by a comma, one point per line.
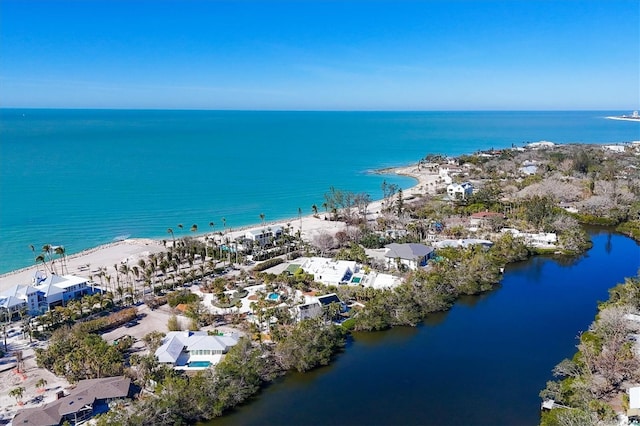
x=467, y=242
x=459, y=191
x=329, y=271
x=58, y=289
x=182, y=348
x=541, y=239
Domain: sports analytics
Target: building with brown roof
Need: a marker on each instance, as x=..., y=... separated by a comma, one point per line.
x=88, y=398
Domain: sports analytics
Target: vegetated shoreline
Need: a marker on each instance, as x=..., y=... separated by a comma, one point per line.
x=416, y=300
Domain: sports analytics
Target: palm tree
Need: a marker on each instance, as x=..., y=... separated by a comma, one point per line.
x=17, y=393
x=60, y=251
x=40, y=384
x=173, y=239
x=194, y=228
x=41, y=258
x=212, y=225
x=262, y=218
x=46, y=250
x=33, y=249
x=315, y=209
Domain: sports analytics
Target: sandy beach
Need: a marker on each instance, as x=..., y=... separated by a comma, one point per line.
x=88, y=263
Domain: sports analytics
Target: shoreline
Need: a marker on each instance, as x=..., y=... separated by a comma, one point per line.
x=624, y=118
x=108, y=254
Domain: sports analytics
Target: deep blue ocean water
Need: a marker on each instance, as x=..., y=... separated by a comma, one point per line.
x=81, y=178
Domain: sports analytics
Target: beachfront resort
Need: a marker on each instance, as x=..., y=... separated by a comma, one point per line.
x=193, y=306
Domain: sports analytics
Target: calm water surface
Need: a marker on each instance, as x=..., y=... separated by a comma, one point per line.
x=81, y=178
x=482, y=363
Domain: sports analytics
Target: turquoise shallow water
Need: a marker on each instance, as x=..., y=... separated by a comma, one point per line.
x=81, y=178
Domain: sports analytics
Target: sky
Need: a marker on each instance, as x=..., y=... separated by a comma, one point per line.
x=321, y=55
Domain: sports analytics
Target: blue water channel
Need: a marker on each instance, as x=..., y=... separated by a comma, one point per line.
x=482, y=363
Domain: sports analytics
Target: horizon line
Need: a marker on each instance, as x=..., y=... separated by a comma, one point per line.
x=307, y=110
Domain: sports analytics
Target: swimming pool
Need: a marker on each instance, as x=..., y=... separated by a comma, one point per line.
x=273, y=296
x=199, y=364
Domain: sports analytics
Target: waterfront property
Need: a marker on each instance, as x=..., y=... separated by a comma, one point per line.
x=264, y=236
x=463, y=243
x=194, y=349
x=45, y=293
x=328, y=271
x=89, y=397
x=314, y=306
x=539, y=240
x=411, y=255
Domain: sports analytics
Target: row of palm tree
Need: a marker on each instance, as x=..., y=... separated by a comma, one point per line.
x=46, y=256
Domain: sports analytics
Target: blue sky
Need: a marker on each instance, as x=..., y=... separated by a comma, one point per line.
x=336, y=55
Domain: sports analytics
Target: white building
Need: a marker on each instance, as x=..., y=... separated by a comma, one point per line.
x=21, y=297
x=459, y=191
x=59, y=289
x=614, y=148
x=194, y=349
x=265, y=235
x=540, y=240
x=329, y=271
x=45, y=293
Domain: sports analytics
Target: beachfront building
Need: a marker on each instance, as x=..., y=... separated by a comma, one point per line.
x=43, y=294
x=329, y=271
x=21, y=298
x=459, y=191
x=411, y=255
x=264, y=236
x=89, y=397
x=59, y=289
x=188, y=350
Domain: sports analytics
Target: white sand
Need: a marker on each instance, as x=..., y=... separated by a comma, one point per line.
x=133, y=249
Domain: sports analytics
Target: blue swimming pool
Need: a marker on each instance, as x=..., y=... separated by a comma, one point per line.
x=199, y=364
x=273, y=296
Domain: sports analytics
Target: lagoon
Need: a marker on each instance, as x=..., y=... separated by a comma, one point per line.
x=482, y=363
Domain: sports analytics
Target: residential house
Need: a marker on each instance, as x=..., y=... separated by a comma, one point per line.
x=194, y=349
x=484, y=219
x=316, y=305
x=463, y=243
x=459, y=191
x=540, y=240
x=264, y=236
x=412, y=255
x=329, y=271
x=82, y=402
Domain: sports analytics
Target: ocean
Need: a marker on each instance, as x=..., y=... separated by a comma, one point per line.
x=81, y=178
